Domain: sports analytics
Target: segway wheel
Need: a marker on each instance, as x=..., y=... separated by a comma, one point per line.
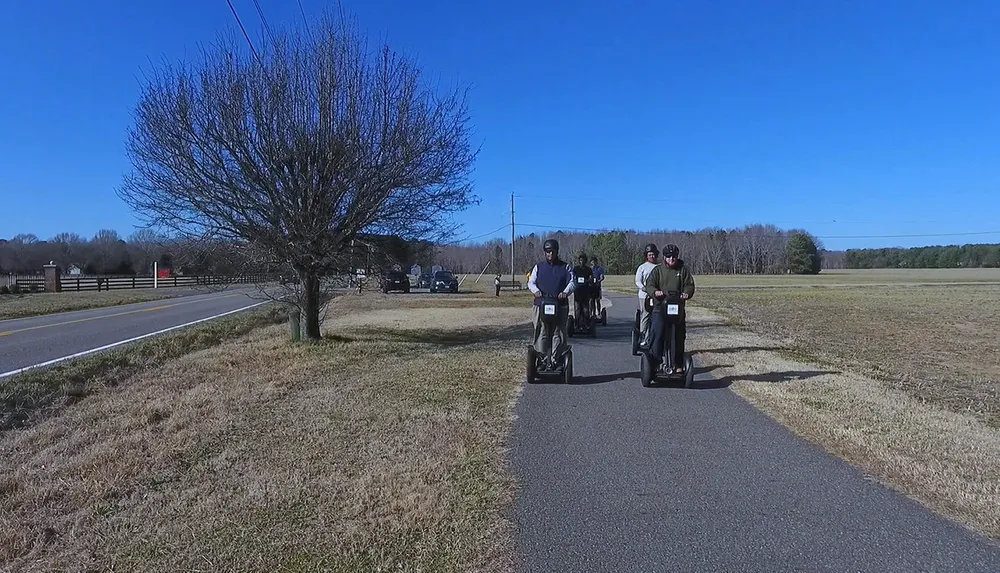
x=532, y=366
x=568, y=367
x=645, y=371
x=593, y=329
x=635, y=342
x=604, y=317
x=688, y=372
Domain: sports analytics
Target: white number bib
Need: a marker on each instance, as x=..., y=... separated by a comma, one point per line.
x=673, y=309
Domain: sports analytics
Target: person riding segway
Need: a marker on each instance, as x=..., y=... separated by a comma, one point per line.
x=582, y=320
x=640, y=330
x=551, y=281
x=669, y=286
x=596, y=300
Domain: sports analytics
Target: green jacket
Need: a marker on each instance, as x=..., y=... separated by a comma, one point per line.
x=667, y=279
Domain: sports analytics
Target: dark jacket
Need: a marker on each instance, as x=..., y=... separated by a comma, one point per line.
x=583, y=290
x=552, y=279
x=669, y=279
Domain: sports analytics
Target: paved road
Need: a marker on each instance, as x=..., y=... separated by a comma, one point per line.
x=616, y=477
x=29, y=341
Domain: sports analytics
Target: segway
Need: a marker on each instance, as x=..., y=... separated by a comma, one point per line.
x=636, y=332
x=537, y=366
x=603, y=313
x=637, y=326
x=673, y=311
x=587, y=322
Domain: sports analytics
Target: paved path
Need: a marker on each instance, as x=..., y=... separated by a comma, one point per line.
x=29, y=341
x=617, y=477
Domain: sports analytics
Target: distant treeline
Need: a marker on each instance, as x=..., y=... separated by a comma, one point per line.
x=934, y=257
x=107, y=253
x=753, y=249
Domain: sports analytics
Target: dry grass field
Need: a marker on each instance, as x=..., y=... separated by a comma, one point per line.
x=939, y=344
x=22, y=305
x=887, y=277
x=903, y=381
x=260, y=455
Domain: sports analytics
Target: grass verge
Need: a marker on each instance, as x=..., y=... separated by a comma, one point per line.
x=25, y=305
x=860, y=373
x=26, y=397
x=378, y=448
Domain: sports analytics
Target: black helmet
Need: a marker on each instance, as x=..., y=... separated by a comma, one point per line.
x=651, y=248
x=583, y=257
x=551, y=245
x=671, y=250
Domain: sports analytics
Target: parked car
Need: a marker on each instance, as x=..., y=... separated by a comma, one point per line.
x=444, y=281
x=424, y=281
x=395, y=280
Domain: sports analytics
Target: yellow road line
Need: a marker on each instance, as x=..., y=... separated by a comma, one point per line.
x=79, y=320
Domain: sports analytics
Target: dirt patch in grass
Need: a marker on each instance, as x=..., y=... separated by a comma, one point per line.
x=362, y=452
x=25, y=305
x=943, y=457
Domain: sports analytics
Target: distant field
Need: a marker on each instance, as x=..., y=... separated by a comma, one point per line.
x=937, y=343
x=622, y=283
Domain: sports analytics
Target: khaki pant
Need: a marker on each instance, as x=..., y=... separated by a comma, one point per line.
x=643, y=320
x=542, y=334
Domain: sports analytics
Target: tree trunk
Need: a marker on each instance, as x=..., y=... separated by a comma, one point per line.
x=311, y=308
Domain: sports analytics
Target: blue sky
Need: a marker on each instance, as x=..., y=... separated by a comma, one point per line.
x=848, y=118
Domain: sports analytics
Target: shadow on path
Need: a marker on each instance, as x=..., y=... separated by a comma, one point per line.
x=735, y=349
x=786, y=376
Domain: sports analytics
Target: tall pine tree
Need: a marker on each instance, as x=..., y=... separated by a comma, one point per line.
x=803, y=255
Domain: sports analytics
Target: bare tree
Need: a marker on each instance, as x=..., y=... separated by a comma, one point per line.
x=300, y=150
x=147, y=245
x=109, y=247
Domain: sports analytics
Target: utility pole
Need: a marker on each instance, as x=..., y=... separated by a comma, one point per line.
x=511, y=237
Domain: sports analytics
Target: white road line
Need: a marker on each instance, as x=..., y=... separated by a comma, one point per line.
x=114, y=344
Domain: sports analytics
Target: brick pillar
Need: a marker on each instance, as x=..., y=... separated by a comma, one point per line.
x=52, y=282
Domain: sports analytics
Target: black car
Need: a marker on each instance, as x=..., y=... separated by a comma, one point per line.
x=424, y=281
x=444, y=281
x=395, y=280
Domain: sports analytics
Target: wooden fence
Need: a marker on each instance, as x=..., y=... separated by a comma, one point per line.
x=77, y=283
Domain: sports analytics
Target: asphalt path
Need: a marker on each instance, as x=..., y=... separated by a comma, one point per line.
x=617, y=477
x=31, y=341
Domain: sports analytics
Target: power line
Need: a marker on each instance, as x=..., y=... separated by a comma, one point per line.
x=497, y=230
x=245, y=35
x=901, y=236
x=304, y=19
x=263, y=20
